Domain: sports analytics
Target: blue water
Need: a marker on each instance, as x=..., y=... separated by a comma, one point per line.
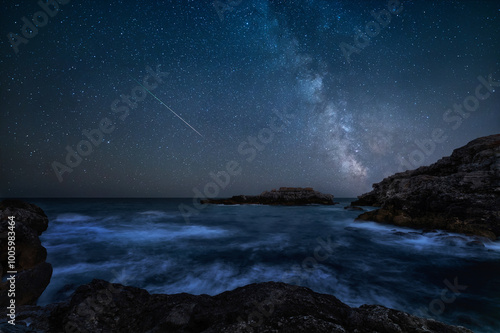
x=146, y=243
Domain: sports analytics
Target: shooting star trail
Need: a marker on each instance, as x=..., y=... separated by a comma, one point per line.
x=159, y=100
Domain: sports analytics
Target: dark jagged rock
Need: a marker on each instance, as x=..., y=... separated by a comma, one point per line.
x=100, y=307
x=30, y=215
x=353, y=208
x=458, y=193
x=33, y=273
x=287, y=196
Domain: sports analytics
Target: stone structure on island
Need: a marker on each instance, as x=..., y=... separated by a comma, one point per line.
x=459, y=193
x=285, y=196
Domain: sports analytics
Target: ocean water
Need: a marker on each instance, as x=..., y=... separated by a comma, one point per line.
x=146, y=243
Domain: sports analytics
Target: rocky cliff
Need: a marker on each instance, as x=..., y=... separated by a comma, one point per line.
x=458, y=193
x=100, y=307
x=33, y=273
x=288, y=196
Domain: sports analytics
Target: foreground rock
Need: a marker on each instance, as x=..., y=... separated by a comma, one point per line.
x=459, y=193
x=33, y=273
x=264, y=307
x=287, y=196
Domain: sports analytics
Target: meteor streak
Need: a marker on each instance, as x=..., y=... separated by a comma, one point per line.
x=185, y=122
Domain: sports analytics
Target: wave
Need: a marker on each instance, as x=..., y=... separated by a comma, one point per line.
x=153, y=212
x=217, y=277
x=154, y=233
x=442, y=242
x=72, y=217
x=274, y=242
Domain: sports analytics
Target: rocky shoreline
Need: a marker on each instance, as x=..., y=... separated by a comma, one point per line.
x=100, y=306
x=286, y=196
x=33, y=273
x=459, y=193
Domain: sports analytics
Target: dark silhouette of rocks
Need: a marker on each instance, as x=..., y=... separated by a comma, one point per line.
x=100, y=307
x=33, y=273
x=458, y=193
x=353, y=208
x=286, y=196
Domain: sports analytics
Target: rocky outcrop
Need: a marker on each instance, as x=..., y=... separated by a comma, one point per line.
x=33, y=273
x=100, y=307
x=354, y=208
x=287, y=196
x=458, y=193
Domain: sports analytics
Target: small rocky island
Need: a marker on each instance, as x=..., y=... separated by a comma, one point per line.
x=285, y=196
x=458, y=193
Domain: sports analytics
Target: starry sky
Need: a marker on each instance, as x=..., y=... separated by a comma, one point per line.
x=349, y=93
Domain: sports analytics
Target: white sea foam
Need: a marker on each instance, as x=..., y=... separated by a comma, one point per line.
x=72, y=217
x=156, y=233
x=153, y=212
x=458, y=245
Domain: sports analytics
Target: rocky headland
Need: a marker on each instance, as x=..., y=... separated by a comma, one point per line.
x=33, y=273
x=459, y=193
x=286, y=196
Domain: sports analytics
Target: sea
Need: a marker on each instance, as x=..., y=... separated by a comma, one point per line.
x=147, y=243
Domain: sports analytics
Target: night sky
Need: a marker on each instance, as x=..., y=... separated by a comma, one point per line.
x=280, y=87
